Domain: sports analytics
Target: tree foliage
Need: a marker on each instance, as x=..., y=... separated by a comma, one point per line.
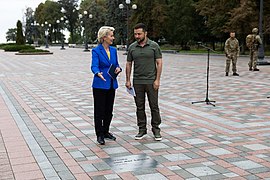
x=180, y=22
x=71, y=14
x=11, y=34
x=19, y=36
x=98, y=10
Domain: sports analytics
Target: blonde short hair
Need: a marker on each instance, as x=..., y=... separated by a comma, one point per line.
x=103, y=31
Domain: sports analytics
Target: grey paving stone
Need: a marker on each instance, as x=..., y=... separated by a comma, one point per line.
x=213, y=177
x=112, y=176
x=220, y=169
x=88, y=167
x=151, y=177
x=247, y=164
x=60, y=167
x=66, y=175
x=202, y=171
x=252, y=177
x=155, y=146
x=230, y=175
x=76, y=154
x=99, y=178
x=102, y=166
x=195, y=141
x=218, y=151
x=259, y=170
x=256, y=146
x=176, y=157
x=115, y=150
x=184, y=174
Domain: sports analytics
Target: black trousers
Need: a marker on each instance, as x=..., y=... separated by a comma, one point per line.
x=103, y=108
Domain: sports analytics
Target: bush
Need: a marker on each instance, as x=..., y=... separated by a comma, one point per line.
x=6, y=44
x=32, y=50
x=15, y=48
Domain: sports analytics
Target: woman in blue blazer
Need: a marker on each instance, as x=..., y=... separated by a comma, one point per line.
x=104, y=85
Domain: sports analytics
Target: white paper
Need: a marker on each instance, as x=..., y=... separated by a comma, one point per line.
x=131, y=91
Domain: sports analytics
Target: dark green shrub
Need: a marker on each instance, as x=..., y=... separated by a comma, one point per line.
x=32, y=50
x=15, y=48
x=5, y=44
x=20, y=38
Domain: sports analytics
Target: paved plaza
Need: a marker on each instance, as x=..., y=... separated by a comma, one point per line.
x=46, y=121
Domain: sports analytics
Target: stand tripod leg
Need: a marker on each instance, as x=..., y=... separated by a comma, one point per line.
x=207, y=101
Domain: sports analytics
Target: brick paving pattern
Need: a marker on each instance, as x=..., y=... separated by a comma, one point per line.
x=46, y=121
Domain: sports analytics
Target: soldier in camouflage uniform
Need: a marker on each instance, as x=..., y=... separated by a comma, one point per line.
x=232, y=52
x=253, y=42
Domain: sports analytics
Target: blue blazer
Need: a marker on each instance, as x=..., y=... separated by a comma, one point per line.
x=101, y=63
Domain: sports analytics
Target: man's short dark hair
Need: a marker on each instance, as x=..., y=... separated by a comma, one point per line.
x=140, y=26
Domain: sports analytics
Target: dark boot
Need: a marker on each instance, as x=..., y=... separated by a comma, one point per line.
x=100, y=140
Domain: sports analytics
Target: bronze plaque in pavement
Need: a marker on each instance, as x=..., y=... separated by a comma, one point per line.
x=131, y=163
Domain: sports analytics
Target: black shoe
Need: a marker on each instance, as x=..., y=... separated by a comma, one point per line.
x=140, y=135
x=157, y=136
x=100, y=140
x=235, y=74
x=255, y=69
x=227, y=74
x=250, y=69
x=109, y=136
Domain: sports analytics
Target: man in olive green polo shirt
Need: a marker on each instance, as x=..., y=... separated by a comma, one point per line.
x=146, y=56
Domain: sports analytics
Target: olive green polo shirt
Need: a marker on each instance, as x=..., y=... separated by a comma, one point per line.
x=144, y=59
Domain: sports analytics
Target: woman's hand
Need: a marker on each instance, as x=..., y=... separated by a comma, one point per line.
x=117, y=70
x=101, y=76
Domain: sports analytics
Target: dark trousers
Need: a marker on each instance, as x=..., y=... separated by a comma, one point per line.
x=152, y=95
x=103, y=108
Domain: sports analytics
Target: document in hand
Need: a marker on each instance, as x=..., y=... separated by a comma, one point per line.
x=111, y=71
x=131, y=91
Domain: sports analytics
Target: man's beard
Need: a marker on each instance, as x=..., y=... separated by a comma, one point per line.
x=140, y=40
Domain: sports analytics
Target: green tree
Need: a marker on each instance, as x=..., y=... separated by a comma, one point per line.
x=153, y=14
x=19, y=36
x=29, y=28
x=71, y=14
x=11, y=34
x=184, y=23
x=49, y=12
x=98, y=10
x=117, y=19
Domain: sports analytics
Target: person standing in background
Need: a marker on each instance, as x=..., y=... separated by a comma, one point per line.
x=232, y=51
x=253, y=41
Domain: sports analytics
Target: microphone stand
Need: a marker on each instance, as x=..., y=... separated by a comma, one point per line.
x=207, y=101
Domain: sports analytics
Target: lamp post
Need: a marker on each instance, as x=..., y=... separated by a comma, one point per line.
x=58, y=27
x=85, y=32
x=63, y=11
x=35, y=24
x=134, y=7
x=47, y=26
x=62, y=19
x=261, y=60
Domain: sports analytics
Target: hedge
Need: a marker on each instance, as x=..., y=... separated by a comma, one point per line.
x=32, y=50
x=15, y=48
